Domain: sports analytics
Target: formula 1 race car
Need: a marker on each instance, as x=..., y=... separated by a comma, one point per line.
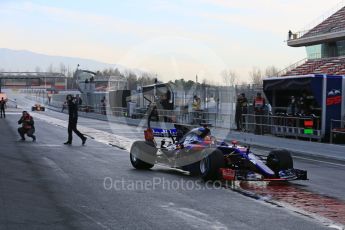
x=38, y=107
x=197, y=151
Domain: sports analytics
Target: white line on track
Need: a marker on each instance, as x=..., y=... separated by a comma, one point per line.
x=194, y=218
x=48, y=145
x=325, y=162
x=13, y=113
x=56, y=168
x=98, y=135
x=90, y=218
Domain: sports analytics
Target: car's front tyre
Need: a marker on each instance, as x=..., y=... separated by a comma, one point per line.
x=278, y=160
x=142, y=155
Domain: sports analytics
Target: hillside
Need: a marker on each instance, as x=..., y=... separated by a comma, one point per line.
x=22, y=60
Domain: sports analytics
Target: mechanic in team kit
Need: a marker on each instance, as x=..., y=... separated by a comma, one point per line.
x=28, y=127
x=72, y=105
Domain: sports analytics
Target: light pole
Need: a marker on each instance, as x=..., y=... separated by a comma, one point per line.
x=75, y=77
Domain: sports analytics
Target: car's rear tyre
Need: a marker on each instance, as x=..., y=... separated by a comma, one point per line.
x=278, y=160
x=142, y=155
x=211, y=164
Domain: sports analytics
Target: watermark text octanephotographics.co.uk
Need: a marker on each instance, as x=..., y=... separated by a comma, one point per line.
x=154, y=183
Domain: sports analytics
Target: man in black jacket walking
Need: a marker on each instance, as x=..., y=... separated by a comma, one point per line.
x=72, y=105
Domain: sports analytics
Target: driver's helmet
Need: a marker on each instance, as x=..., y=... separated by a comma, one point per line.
x=202, y=131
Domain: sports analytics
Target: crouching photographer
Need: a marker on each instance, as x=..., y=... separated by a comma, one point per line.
x=28, y=127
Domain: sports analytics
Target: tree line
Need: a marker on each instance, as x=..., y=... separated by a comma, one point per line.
x=230, y=77
x=139, y=78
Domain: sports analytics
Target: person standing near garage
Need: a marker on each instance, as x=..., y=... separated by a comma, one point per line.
x=2, y=107
x=238, y=112
x=72, y=105
x=244, y=108
x=259, y=111
x=79, y=100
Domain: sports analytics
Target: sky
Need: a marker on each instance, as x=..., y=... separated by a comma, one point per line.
x=173, y=39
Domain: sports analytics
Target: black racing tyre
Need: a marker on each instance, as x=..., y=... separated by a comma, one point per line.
x=279, y=160
x=142, y=155
x=193, y=169
x=210, y=165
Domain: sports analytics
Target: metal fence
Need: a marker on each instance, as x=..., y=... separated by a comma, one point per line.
x=285, y=126
x=11, y=103
x=217, y=120
x=337, y=131
x=223, y=120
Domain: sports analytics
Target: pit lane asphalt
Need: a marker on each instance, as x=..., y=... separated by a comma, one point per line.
x=326, y=175
x=48, y=185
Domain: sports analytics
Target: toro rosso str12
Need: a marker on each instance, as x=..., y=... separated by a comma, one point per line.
x=197, y=151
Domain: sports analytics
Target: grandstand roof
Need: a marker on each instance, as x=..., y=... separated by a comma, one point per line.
x=331, y=29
